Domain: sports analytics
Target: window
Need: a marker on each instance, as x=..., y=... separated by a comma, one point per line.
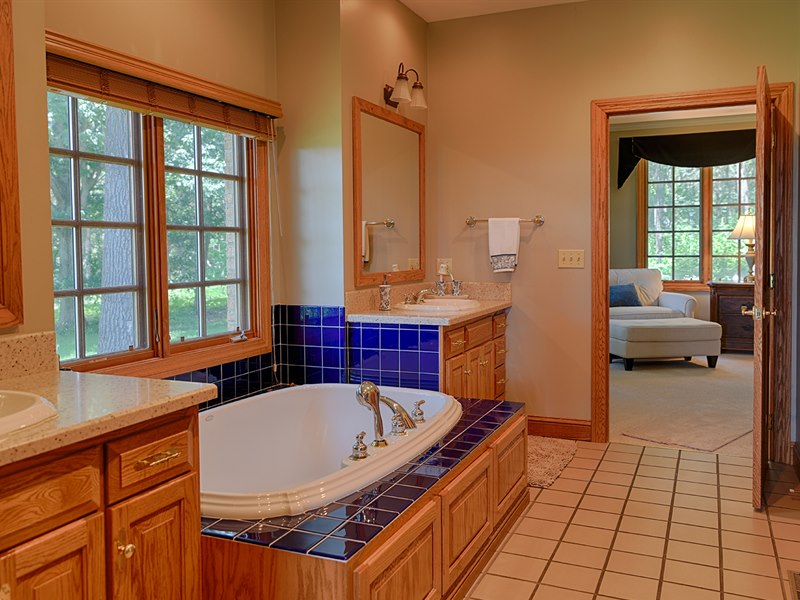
x=158, y=227
x=687, y=217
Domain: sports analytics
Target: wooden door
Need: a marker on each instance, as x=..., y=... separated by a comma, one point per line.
x=762, y=301
x=454, y=376
x=472, y=372
x=67, y=564
x=153, y=544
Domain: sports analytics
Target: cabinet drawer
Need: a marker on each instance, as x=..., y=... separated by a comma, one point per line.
x=499, y=325
x=500, y=382
x=454, y=341
x=500, y=351
x=733, y=304
x=43, y=497
x=147, y=458
x=478, y=332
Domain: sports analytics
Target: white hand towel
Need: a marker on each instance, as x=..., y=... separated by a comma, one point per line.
x=503, y=244
x=364, y=242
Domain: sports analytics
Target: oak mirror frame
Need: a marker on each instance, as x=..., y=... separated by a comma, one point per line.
x=388, y=183
x=10, y=249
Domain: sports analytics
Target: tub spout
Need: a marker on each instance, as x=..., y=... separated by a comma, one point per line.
x=408, y=422
x=368, y=395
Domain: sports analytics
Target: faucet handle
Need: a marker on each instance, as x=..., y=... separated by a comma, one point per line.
x=359, y=448
x=419, y=416
x=398, y=427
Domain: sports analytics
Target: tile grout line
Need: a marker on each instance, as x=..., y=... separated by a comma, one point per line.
x=660, y=588
x=719, y=532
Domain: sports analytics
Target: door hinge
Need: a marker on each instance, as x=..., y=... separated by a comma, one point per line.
x=772, y=280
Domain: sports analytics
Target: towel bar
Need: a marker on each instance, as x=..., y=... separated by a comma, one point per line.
x=537, y=220
x=389, y=223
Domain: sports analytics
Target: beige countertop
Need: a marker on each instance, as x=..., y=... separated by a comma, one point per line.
x=90, y=405
x=487, y=307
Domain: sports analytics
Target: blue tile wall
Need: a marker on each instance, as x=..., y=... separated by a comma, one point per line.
x=394, y=354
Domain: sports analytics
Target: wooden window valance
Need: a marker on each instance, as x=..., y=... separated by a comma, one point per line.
x=153, y=97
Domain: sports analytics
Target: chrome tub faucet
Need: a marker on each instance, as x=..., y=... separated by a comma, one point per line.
x=370, y=396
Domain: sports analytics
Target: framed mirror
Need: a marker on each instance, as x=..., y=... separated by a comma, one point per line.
x=388, y=195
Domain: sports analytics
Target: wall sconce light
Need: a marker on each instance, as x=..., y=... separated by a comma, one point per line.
x=400, y=92
x=746, y=230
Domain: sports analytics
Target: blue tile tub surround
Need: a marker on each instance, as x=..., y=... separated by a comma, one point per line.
x=235, y=380
x=394, y=354
x=340, y=529
x=310, y=343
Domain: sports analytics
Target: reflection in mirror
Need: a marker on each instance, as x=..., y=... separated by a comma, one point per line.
x=388, y=195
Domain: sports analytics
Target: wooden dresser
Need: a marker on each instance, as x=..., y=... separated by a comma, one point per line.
x=727, y=300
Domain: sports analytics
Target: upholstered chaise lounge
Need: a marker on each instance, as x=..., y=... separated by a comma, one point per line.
x=647, y=322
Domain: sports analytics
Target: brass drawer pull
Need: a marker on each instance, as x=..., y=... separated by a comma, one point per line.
x=483, y=363
x=501, y=325
x=126, y=550
x=157, y=459
x=502, y=351
x=458, y=342
x=501, y=381
x=467, y=371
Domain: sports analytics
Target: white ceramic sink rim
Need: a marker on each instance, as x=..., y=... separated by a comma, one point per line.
x=21, y=410
x=452, y=304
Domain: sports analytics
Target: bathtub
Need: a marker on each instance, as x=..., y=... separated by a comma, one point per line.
x=287, y=452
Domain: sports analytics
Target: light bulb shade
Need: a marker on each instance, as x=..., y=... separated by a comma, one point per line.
x=745, y=228
x=401, y=92
x=418, y=96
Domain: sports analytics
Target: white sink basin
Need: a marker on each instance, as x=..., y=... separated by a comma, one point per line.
x=21, y=410
x=435, y=305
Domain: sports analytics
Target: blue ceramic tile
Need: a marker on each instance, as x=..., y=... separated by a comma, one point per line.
x=228, y=390
x=313, y=375
x=313, y=356
x=373, y=516
x=263, y=535
x=294, y=335
x=357, y=498
x=370, y=336
x=184, y=377
x=409, y=338
x=322, y=525
x=296, y=374
x=390, y=503
x=241, y=367
x=390, y=338
x=420, y=481
x=429, y=381
x=313, y=335
x=409, y=361
x=353, y=336
x=390, y=378
x=372, y=375
x=394, y=477
x=312, y=315
x=429, y=340
x=288, y=521
x=227, y=528
x=214, y=373
x=295, y=355
x=370, y=359
x=331, y=337
x=337, y=511
x=376, y=488
x=428, y=362
x=206, y=521
x=337, y=548
x=430, y=471
x=330, y=357
x=409, y=380
x=200, y=376
x=242, y=386
x=452, y=453
x=353, y=530
x=254, y=363
x=297, y=541
x=332, y=375
x=404, y=491
x=330, y=316
x=294, y=315
x=390, y=360
x=457, y=445
x=470, y=438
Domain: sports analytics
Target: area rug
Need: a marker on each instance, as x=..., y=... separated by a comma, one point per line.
x=685, y=405
x=547, y=457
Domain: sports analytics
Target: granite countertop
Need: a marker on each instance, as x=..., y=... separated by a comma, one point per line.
x=487, y=307
x=90, y=405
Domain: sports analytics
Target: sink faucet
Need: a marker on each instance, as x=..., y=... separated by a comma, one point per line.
x=369, y=395
x=419, y=296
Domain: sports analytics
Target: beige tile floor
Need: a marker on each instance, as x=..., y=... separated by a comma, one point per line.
x=636, y=523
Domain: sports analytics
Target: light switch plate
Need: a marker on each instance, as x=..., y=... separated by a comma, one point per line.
x=446, y=261
x=570, y=259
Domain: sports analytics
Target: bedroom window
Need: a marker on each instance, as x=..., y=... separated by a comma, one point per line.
x=686, y=217
x=159, y=228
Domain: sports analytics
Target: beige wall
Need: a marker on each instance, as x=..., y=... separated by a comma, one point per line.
x=510, y=136
x=377, y=35
x=244, y=58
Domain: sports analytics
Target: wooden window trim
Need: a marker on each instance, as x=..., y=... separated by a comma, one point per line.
x=164, y=359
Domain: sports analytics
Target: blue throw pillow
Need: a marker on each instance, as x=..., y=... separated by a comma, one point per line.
x=623, y=295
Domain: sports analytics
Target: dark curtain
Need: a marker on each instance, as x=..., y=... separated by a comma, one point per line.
x=686, y=150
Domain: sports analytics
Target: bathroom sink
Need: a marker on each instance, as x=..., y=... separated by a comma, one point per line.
x=434, y=305
x=21, y=410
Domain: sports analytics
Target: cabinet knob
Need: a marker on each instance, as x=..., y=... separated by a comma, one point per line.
x=467, y=371
x=126, y=550
x=483, y=363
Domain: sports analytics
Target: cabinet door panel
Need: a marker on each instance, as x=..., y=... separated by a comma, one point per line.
x=454, y=376
x=65, y=564
x=162, y=527
x=510, y=455
x=467, y=517
x=472, y=370
x=486, y=371
x=409, y=565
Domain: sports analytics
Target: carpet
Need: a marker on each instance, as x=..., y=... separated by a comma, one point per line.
x=685, y=405
x=547, y=457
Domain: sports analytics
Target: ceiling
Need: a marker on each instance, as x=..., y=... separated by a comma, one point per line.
x=443, y=10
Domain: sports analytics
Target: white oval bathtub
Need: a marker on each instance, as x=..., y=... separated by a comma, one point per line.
x=281, y=453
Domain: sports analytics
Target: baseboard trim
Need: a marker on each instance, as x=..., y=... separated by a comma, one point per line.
x=569, y=429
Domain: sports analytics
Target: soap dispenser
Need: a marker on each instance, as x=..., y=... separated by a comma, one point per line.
x=385, y=294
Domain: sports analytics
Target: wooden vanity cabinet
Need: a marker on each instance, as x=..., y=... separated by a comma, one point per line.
x=474, y=358
x=114, y=517
x=510, y=462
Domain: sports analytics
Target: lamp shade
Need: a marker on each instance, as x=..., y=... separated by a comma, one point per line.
x=745, y=228
x=418, y=96
x=401, y=92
